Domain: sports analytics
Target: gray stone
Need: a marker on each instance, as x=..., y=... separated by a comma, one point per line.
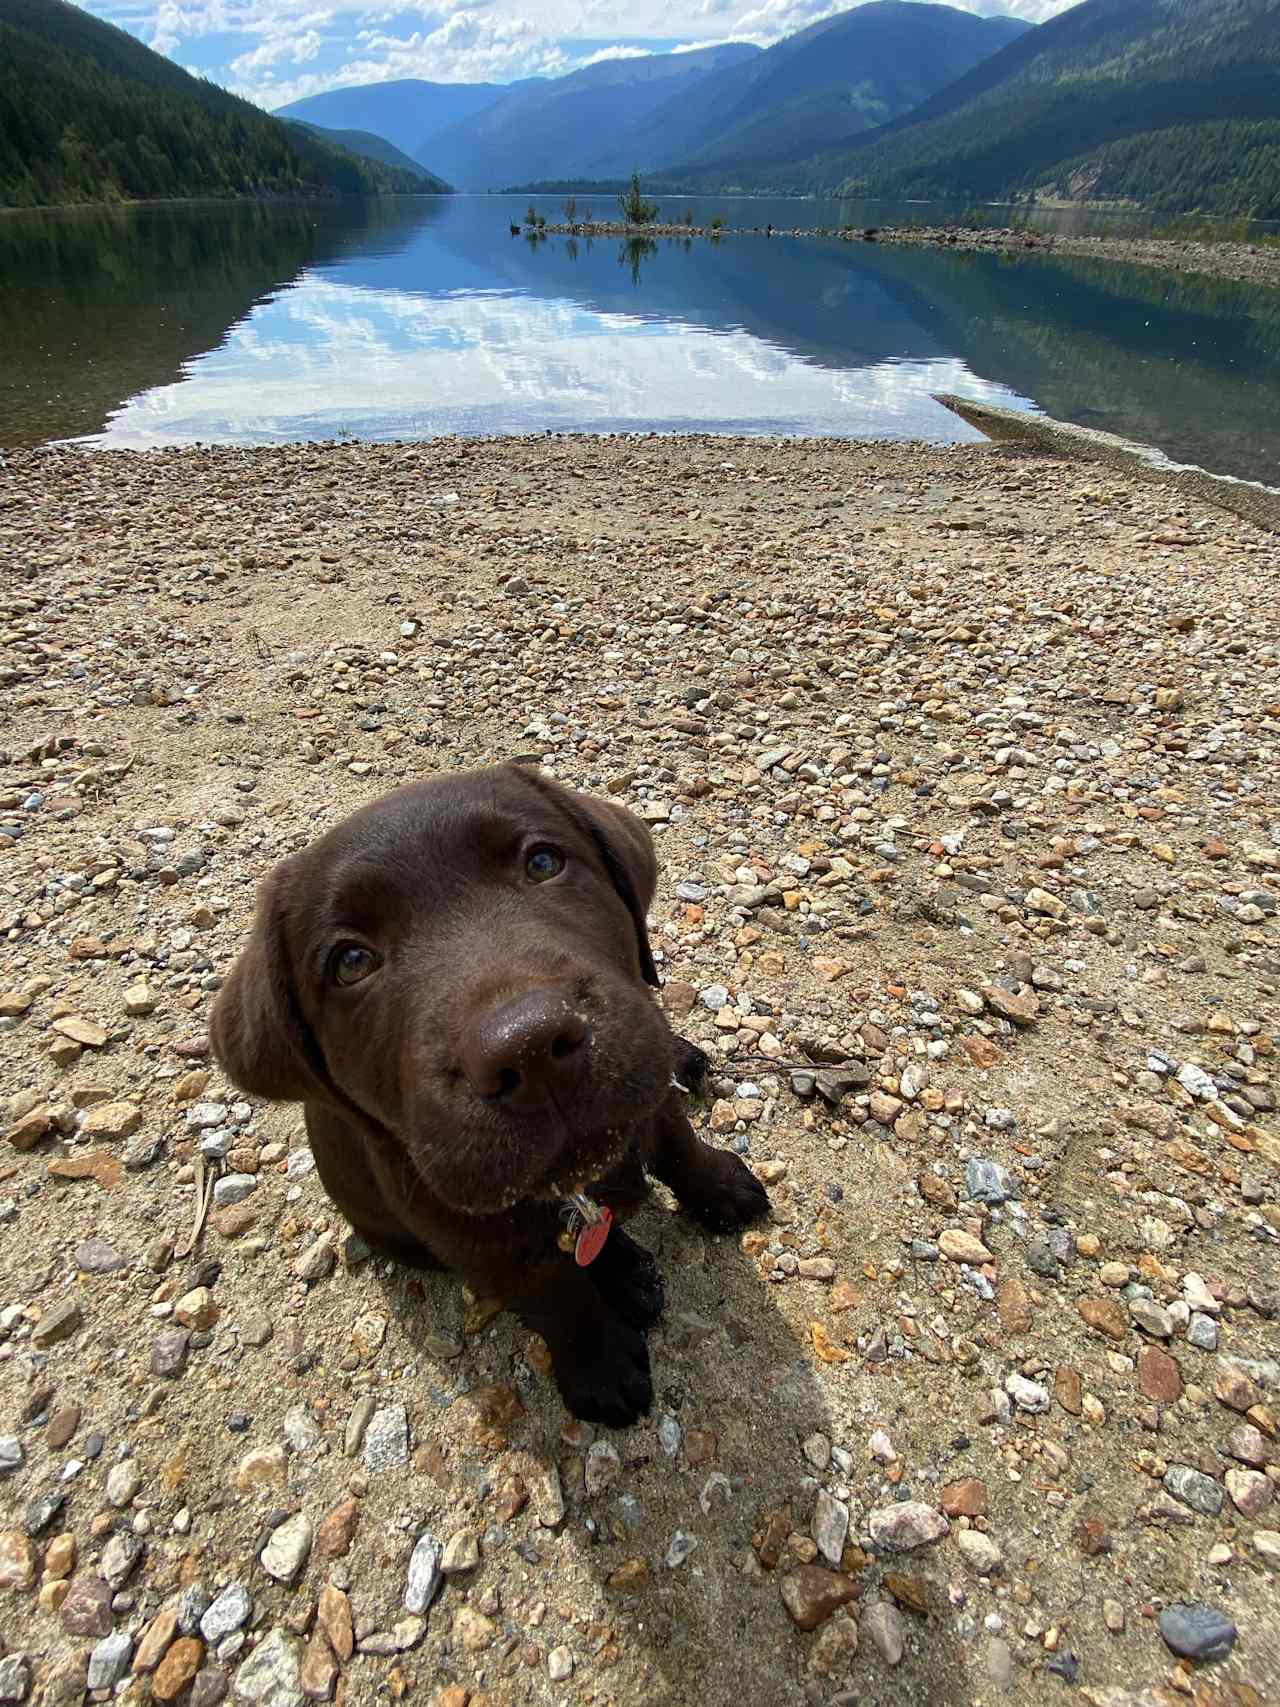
x=15, y=1678
x=1027, y=1395
x=1194, y=1488
x=11, y=1454
x=899, y=1528
x=830, y=1526
x=988, y=1182
x=193, y=1603
x=714, y=996
x=234, y=1188
x=228, y=1612
x=169, y=1352
x=96, y=1256
x=1197, y=1632
x=1151, y=1317
x=109, y=1659
x=301, y=1430
x=120, y=1558
x=425, y=1573
x=883, y=1625
x=386, y=1444
x=271, y=1674
x=288, y=1547
x=1202, y=1332
x=123, y=1481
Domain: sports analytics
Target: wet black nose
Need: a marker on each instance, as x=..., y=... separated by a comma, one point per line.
x=527, y=1053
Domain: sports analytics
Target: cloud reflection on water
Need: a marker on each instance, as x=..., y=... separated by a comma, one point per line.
x=325, y=358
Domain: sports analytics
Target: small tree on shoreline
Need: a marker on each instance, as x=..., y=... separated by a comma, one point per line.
x=635, y=209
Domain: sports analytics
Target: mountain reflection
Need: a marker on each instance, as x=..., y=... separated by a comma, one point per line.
x=414, y=317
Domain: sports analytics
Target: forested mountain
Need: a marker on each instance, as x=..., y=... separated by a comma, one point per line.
x=370, y=147
x=1173, y=103
x=551, y=127
x=407, y=111
x=87, y=114
x=846, y=74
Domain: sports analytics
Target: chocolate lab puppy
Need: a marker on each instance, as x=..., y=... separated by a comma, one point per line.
x=454, y=983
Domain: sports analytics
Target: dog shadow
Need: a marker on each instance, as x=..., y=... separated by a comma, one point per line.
x=655, y=1555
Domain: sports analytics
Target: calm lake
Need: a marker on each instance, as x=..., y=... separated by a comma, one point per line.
x=405, y=318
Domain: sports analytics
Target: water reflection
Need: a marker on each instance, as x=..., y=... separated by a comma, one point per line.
x=417, y=317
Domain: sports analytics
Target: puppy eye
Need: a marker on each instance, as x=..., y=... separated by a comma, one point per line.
x=542, y=863
x=350, y=963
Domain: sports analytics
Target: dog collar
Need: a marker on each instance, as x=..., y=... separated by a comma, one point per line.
x=588, y=1228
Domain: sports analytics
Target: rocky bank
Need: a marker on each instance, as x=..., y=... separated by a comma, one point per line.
x=962, y=766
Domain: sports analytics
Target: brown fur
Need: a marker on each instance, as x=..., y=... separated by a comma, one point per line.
x=504, y=1051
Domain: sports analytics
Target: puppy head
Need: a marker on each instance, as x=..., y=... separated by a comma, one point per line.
x=462, y=964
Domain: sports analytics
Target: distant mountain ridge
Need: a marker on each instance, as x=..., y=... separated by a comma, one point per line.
x=88, y=114
x=551, y=127
x=407, y=111
x=1171, y=103
x=371, y=147
x=848, y=73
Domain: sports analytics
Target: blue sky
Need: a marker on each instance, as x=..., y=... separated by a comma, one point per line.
x=274, y=51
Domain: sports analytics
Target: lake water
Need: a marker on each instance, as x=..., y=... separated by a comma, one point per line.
x=406, y=318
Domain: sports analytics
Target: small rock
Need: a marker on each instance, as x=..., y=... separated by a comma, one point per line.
x=987, y=1182
x=271, y=1674
x=979, y=1552
x=883, y=1625
x=109, y=1659
x=1194, y=1488
x=899, y=1528
x=830, y=1526
x=288, y=1548
x=559, y=1664
x=177, y=1668
x=959, y=1246
x=811, y=1595
x=386, y=1444
x=58, y=1323
x=425, y=1573
x=229, y=1611
x=1197, y=1632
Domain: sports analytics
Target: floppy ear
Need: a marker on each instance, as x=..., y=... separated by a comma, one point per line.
x=625, y=846
x=259, y=1036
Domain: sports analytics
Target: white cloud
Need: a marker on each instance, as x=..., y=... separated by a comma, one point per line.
x=282, y=50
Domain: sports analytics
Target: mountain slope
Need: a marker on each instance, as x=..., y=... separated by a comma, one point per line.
x=848, y=73
x=551, y=127
x=1131, y=92
x=408, y=112
x=88, y=114
x=371, y=147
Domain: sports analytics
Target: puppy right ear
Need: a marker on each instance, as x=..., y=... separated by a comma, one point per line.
x=259, y=1035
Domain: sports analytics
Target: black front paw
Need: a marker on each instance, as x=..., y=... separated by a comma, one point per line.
x=608, y=1382
x=629, y=1281
x=691, y=1064
x=724, y=1194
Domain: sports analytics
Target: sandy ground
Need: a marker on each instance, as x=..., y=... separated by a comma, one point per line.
x=1249, y=263
x=963, y=771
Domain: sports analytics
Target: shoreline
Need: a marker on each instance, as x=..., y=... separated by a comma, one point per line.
x=1241, y=262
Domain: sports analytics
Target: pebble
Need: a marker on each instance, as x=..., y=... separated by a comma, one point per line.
x=288, y=1548
x=979, y=1552
x=230, y=1610
x=1194, y=1488
x=882, y=1624
x=811, y=1594
x=899, y=1528
x=987, y=1182
x=830, y=1526
x=1195, y=1631
x=425, y=1573
x=109, y=1659
x=386, y=1442
x=271, y=1674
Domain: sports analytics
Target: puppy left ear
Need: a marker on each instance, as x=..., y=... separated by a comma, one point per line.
x=626, y=848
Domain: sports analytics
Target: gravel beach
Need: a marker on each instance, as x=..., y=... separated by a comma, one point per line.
x=964, y=770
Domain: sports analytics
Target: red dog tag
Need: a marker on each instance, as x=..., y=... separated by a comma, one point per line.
x=591, y=1240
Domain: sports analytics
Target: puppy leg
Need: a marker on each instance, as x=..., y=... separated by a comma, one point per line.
x=600, y=1361
x=346, y=1177
x=691, y=1064
x=628, y=1278
x=715, y=1186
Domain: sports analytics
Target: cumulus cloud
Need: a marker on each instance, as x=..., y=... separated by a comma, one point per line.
x=276, y=51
